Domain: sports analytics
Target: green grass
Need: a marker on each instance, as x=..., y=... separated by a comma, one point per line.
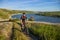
x=4, y=15
x=45, y=31
x=2, y=37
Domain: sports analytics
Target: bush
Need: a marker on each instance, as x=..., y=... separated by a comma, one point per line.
x=31, y=19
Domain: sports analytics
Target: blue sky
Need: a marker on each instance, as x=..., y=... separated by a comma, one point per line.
x=34, y=5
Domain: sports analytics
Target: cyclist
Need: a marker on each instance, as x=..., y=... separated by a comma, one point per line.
x=23, y=19
x=23, y=22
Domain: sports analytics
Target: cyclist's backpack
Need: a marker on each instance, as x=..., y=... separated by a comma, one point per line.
x=23, y=17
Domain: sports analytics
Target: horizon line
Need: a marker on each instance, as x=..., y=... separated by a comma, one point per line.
x=29, y=10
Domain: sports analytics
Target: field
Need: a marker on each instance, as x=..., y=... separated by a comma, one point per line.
x=45, y=31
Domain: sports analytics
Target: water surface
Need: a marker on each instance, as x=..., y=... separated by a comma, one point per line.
x=40, y=18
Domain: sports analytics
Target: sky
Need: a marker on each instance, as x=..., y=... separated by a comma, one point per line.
x=33, y=5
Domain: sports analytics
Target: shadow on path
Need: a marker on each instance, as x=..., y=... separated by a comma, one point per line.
x=4, y=21
x=12, y=34
x=19, y=24
x=13, y=29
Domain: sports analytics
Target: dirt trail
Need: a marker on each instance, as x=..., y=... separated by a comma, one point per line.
x=31, y=37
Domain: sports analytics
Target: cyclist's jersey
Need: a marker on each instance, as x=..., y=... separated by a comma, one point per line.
x=23, y=17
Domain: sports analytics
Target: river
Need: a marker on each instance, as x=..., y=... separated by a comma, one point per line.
x=39, y=18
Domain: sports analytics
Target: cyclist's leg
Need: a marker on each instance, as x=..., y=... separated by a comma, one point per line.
x=23, y=26
x=26, y=28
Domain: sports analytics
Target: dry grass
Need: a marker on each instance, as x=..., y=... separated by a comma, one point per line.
x=6, y=31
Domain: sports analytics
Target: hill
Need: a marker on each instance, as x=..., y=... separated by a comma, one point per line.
x=7, y=32
x=5, y=13
x=53, y=14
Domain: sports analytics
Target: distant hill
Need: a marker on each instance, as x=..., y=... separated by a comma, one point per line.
x=5, y=13
x=15, y=11
x=53, y=14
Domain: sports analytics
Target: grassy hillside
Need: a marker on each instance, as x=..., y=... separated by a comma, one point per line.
x=5, y=13
x=53, y=14
x=7, y=32
x=45, y=31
